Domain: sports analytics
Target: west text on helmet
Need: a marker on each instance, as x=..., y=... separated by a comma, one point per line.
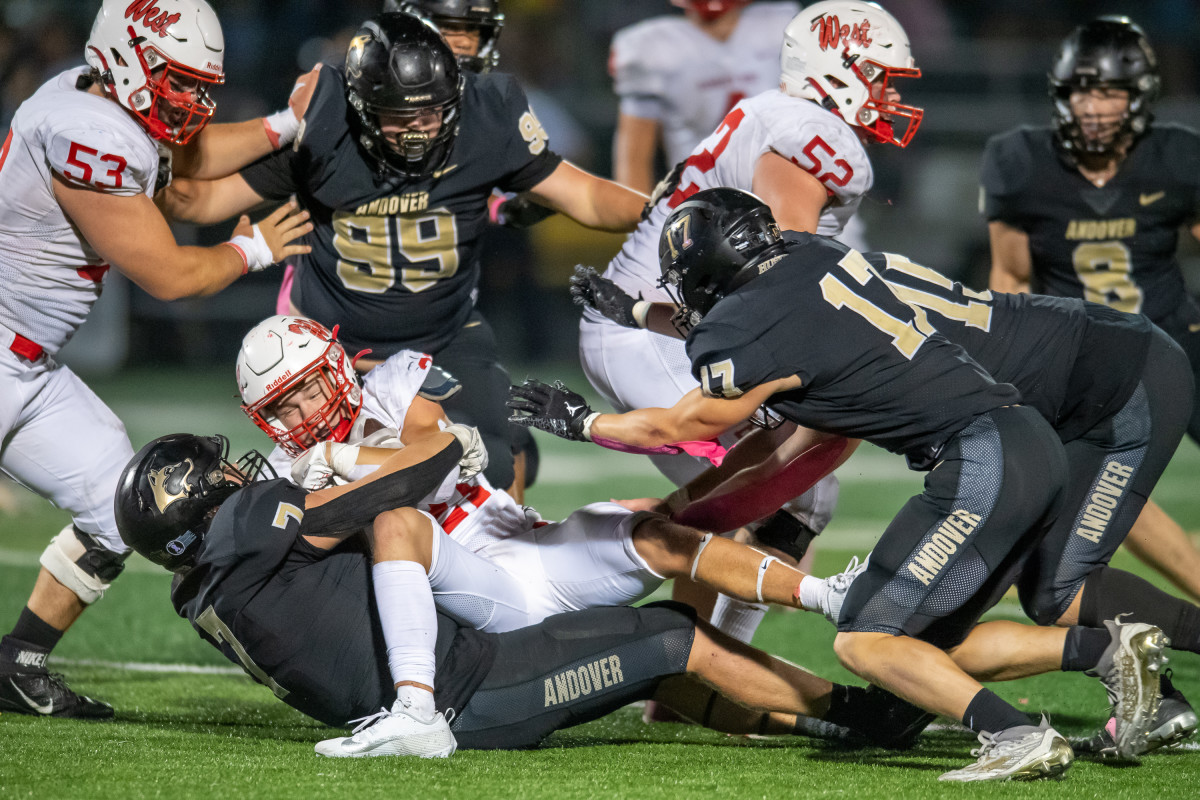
x=935, y=553
x=145, y=10
x=594, y=676
x=1105, y=496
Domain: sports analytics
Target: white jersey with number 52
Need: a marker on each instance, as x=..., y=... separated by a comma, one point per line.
x=814, y=139
x=49, y=275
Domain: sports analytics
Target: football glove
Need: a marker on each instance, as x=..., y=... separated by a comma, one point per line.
x=666, y=186
x=315, y=470
x=516, y=211
x=553, y=409
x=590, y=289
x=475, y=457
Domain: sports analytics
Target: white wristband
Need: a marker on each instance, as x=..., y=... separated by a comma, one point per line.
x=254, y=250
x=343, y=458
x=641, y=310
x=281, y=127
x=587, y=425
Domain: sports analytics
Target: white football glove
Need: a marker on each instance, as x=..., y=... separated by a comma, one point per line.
x=318, y=466
x=474, y=458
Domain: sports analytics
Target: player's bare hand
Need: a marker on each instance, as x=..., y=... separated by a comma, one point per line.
x=590, y=289
x=281, y=228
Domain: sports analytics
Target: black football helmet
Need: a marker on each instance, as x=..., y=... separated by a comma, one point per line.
x=1108, y=52
x=481, y=15
x=712, y=243
x=169, y=489
x=399, y=65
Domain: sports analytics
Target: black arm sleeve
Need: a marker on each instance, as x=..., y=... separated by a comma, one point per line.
x=406, y=487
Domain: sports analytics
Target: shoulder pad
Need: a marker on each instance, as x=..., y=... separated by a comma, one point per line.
x=439, y=385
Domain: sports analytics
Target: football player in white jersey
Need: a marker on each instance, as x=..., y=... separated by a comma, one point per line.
x=498, y=566
x=78, y=172
x=676, y=77
x=802, y=148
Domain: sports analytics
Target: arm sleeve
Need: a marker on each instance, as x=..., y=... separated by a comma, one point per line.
x=273, y=176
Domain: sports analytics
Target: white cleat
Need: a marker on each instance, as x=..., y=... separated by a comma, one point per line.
x=1130, y=670
x=1024, y=753
x=394, y=733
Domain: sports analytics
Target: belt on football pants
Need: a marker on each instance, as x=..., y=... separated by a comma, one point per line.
x=25, y=348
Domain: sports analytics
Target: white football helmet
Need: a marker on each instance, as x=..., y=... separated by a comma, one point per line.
x=844, y=54
x=279, y=355
x=158, y=58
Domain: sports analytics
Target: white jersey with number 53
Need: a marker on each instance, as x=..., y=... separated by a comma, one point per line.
x=801, y=131
x=49, y=276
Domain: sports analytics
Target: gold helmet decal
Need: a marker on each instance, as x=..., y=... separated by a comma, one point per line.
x=167, y=487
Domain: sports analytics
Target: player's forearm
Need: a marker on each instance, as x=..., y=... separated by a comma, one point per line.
x=652, y=427
x=615, y=208
x=188, y=272
x=202, y=202
x=221, y=150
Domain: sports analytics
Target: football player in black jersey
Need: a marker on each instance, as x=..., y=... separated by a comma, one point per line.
x=846, y=356
x=271, y=576
x=1091, y=207
x=396, y=159
x=470, y=27
x=1115, y=388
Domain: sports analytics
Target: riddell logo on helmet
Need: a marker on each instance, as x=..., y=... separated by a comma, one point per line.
x=279, y=380
x=145, y=10
x=834, y=34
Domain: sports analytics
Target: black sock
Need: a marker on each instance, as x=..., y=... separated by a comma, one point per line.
x=1109, y=592
x=845, y=706
x=1164, y=684
x=31, y=640
x=987, y=712
x=1084, y=647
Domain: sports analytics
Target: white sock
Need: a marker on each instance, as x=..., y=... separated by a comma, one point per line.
x=737, y=618
x=408, y=618
x=416, y=701
x=812, y=592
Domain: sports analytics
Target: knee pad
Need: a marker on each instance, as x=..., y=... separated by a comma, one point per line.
x=82, y=565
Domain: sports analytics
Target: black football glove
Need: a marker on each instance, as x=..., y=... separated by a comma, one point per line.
x=517, y=211
x=590, y=289
x=553, y=409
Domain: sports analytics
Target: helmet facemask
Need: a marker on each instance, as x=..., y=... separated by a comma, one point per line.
x=411, y=153
x=160, y=61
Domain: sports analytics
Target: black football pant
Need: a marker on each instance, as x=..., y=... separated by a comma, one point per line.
x=952, y=551
x=1112, y=469
x=471, y=357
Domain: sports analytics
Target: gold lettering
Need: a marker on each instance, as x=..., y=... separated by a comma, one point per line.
x=921, y=575
x=1082, y=229
x=604, y=673
x=551, y=699
x=560, y=684
x=594, y=672
x=1118, y=468
x=614, y=662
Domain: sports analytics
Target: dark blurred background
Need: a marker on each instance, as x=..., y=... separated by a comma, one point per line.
x=984, y=66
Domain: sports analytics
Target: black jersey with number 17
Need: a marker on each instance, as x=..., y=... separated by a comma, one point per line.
x=394, y=260
x=1076, y=362
x=1113, y=244
x=871, y=366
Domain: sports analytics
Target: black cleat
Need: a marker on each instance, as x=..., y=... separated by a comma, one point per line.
x=34, y=690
